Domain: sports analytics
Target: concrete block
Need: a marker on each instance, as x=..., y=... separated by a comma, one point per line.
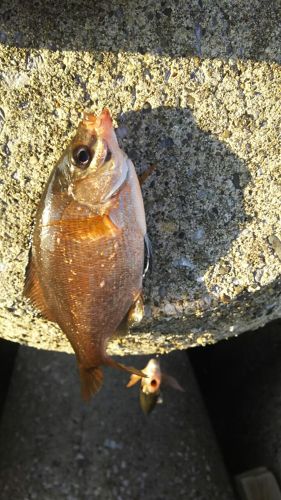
x=194, y=89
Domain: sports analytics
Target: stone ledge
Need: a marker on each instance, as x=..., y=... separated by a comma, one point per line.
x=209, y=125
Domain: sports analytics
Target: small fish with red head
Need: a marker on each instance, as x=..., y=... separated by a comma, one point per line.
x=150, y=388
x=86, y=263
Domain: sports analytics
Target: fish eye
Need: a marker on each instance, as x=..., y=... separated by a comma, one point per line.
x=82, y=156
x=108, y=156
x=153, y=383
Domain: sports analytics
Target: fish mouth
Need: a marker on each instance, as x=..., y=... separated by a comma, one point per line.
x=95, y=135
x=100, y=127
x=101, y=124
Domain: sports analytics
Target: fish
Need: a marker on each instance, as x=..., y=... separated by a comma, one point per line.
x=150, y=387
x=89, y=248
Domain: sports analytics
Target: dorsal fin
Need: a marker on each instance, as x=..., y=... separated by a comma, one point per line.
x=32, y=289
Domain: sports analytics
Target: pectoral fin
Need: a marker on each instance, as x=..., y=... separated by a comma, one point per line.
x=94, y=227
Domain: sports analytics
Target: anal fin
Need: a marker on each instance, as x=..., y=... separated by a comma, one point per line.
x=33, y=291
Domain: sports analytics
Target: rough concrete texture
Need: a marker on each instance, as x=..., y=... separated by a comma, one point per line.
x=194, y=89
x=64, y=450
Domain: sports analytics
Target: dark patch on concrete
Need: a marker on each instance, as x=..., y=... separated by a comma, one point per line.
x=177, y=28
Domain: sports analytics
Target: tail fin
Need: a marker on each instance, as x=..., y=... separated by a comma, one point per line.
x=91, y=381
x=92, y=378
x=129, y=369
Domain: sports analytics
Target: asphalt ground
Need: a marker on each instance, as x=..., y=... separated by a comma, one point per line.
x=54, y=446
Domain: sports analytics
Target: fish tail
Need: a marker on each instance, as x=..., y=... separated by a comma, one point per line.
x=91, y=381
x=129, y=369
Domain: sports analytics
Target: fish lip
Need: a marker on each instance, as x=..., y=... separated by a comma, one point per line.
x=98, y=122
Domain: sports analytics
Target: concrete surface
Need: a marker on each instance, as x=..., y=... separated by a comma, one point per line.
x=55, y=447
x=194, y=88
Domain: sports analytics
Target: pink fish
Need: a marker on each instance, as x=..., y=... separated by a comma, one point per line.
x=86, y=263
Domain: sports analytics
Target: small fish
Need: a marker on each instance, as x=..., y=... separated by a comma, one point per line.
x=150, y=386
x=86, y=263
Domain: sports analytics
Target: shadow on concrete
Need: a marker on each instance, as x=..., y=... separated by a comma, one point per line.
x=175, y=27
x=202, y=183
x=198, y=176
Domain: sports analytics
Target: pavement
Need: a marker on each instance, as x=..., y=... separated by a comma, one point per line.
x=55, y=447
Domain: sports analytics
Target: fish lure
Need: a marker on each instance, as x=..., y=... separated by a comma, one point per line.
x=86, y=263
x=151, y=385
